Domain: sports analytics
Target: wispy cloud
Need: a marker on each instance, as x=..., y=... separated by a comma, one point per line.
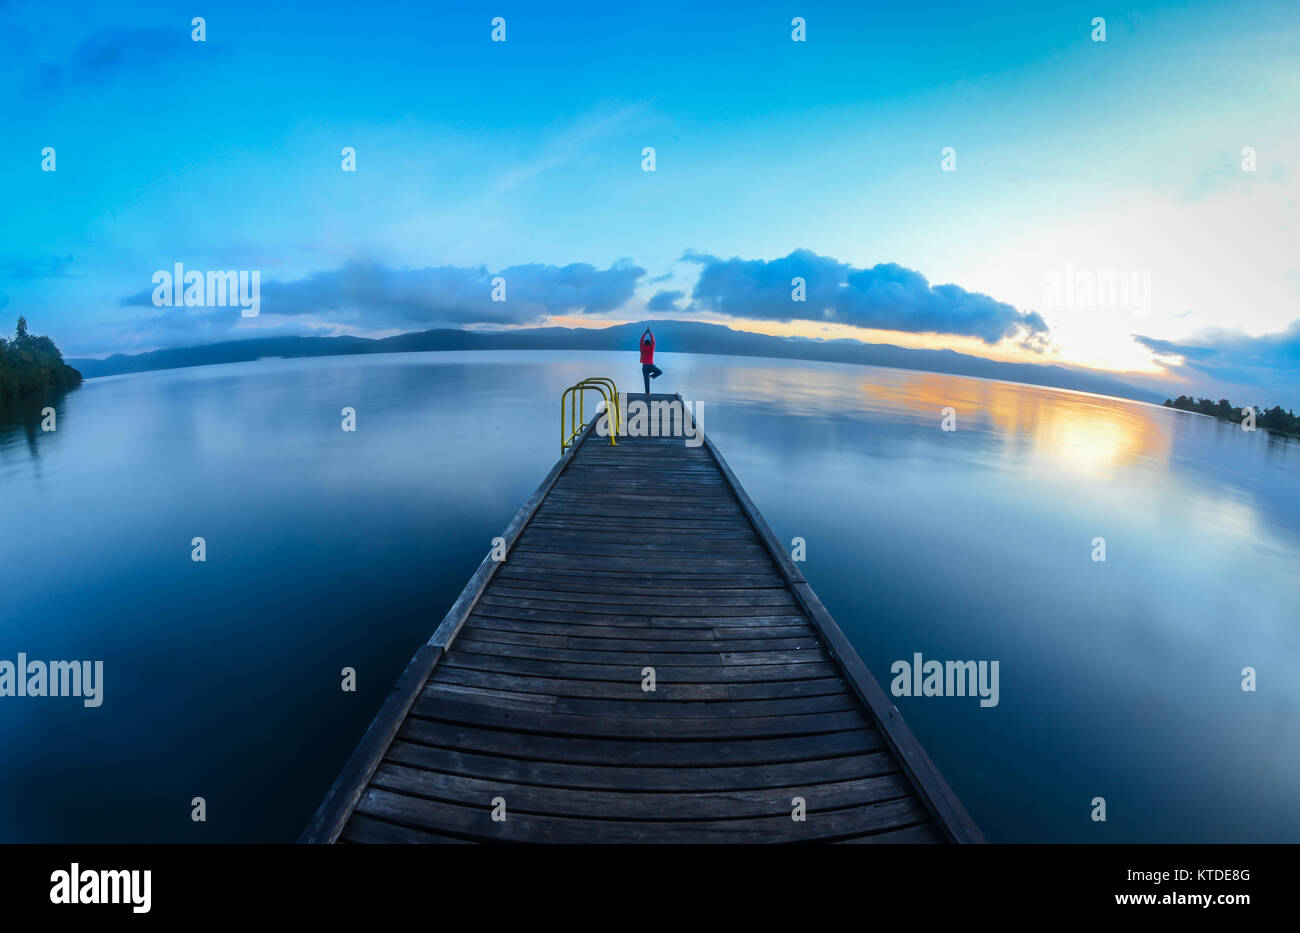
x=111, y=51
x=44, y=267
x=570, y=145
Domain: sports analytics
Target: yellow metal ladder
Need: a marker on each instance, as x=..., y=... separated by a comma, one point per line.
x=575, y=396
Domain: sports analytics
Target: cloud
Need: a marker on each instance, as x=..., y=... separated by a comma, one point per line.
x=1217, y=359
x=110, y=52
x=380, y=297
x=1225, y=171
x=571, y=145
x=665, y=301
x=369, y=297
x=883, y=297
x=47, y=267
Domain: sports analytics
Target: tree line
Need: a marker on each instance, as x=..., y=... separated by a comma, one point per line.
x=31, y=364
x=1273, y=419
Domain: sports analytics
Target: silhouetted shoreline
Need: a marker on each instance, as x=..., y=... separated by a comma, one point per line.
x=31, y=365
x=1275, y=419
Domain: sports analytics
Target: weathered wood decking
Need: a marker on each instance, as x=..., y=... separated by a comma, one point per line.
x=529, y=695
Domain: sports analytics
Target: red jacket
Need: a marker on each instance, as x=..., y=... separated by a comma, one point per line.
x=648, y=350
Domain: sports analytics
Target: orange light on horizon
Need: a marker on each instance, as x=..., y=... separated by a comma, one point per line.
x=1093, y=351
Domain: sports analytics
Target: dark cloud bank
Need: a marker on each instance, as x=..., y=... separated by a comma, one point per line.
x=1259, y=370
x=884, y=297
x=446, y=295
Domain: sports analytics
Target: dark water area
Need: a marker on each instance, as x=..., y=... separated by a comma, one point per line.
x=27, y=413
x=329, y=549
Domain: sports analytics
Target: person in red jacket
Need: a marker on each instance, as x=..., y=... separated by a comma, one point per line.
x=648, y=368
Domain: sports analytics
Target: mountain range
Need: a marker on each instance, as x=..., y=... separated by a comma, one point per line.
x=679, y=336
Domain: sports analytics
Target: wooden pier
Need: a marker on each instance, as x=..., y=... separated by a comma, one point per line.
x=527, y=718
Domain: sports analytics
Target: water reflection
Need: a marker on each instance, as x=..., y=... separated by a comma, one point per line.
x=327, y=548
x=1054, y=429
x=30, y=417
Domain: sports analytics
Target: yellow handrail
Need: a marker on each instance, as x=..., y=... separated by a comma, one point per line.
x=611, y=401
x=576, y=396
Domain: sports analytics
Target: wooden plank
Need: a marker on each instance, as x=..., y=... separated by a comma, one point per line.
x=603, y=619
x=646, y=726
x=631, y=690
x=596, y=628
x=594, y=587
x=645, y=542
x=631, y=672
x=675, y=709
x=473, y=629
x=565, y=687
x=640, y=752
x=439, y=691
x=493, y=603
x=767, y=597
x=630, y=527
x=699, y=581
x=477, y=822
x=731, y=778
x=719, y=621
x=639, y=659
x=613, y=633
x=789, y=688
x=643, y=552
x=663, y=521
x=631, y=805
x=677, y=565
x=642, y=706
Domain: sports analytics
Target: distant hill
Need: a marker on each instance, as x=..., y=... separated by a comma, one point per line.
x=677, y=336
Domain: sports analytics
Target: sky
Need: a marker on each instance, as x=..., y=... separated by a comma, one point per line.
x=982, y=177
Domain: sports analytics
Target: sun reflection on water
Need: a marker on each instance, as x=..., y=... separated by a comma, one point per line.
x=1083, y=433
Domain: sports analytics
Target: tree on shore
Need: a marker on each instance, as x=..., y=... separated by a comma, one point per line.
x=30, y=364
x=1272, y=419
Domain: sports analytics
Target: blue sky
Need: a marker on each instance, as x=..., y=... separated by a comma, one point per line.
x=523, y=159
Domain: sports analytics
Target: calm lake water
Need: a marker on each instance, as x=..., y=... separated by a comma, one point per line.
x=1118, y=679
